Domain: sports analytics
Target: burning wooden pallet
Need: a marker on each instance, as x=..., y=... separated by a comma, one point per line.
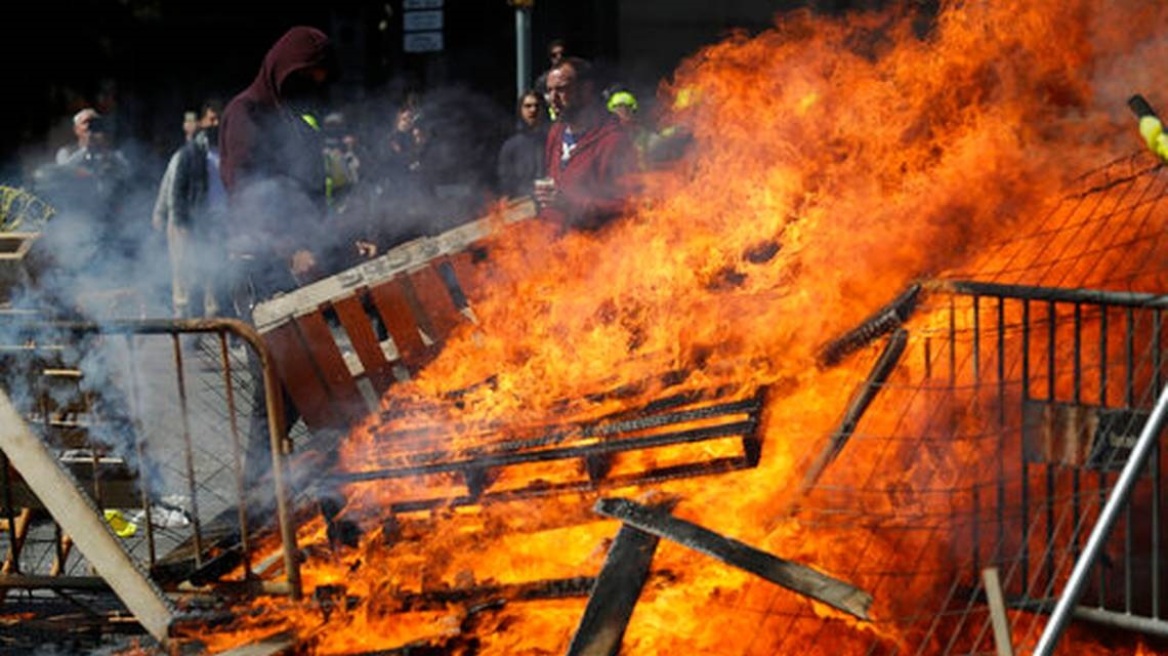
x=687, y=434
x=340, y=342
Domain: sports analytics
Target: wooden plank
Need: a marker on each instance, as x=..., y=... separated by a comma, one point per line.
x=441, y=316
x=358, y=325
x=295, y=368
x=347, y=404
x=81, y=519
x=610, y=606
x=392, y=302
x=791, y=575
x=998, y=619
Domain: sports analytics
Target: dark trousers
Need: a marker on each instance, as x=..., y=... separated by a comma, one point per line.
x=257, y=281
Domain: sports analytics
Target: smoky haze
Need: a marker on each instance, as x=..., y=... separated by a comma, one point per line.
x=99, y=258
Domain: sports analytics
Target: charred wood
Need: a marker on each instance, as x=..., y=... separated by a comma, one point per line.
x=867, y=392
x=477, y=596
x=610, y=606
x=793, y=576
x=883, y=321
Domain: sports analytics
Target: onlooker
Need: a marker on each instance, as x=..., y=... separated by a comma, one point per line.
x=159, y=217
x=196, y=222
x=557, y=50
x=70, y=155
x=90, y=182
x=623, y=104
x=520, y=159
x=588, y=155
x=273, y=171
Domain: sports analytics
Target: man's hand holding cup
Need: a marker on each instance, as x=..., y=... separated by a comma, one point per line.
x=545, y=192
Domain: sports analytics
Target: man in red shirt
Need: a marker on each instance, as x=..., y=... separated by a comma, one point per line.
x=588, y=156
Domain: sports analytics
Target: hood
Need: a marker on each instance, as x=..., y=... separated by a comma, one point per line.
x=299, y=48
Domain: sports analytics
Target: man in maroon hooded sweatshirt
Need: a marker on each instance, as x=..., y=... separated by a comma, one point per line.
x=271, y=162
x=272, y=165
x=589, y=154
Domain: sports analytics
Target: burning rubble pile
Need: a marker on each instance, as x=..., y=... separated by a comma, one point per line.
x=634, y=447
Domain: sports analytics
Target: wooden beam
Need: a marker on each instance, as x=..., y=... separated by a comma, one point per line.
x=998, y=619
x=790, y=575
x=610, y=606
x=81, y=519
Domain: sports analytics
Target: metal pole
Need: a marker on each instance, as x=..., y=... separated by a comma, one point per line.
x=1107, y=517
x=522, y=49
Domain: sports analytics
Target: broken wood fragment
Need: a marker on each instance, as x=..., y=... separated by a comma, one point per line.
x=794, y=576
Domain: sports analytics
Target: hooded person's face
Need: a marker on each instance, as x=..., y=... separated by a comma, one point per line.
x=306, y=89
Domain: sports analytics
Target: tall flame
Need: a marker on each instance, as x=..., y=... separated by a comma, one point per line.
x=834, y=162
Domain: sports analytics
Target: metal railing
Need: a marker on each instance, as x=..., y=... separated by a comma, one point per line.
x=1074, y=374
x=157, y=395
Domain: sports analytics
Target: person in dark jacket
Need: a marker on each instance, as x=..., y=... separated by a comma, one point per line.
x=196, y=220
x=273, y=169
x=589, y=155
x=520, y=159
x=271, y=164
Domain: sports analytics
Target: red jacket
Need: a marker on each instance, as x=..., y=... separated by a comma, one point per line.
x=594, y=183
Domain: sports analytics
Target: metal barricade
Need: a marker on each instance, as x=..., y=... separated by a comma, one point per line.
x=1075, y=374
x=144, y=417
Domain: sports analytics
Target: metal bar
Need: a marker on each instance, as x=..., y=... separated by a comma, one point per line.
x=237, y=450
x=1102, y=529
x=793, y=576
x=1101, y=476
x=1051, y=395
x=188, y=451
x=140, y=450
x=1129, y=401
x=1103, y=617
x=1077, y=398
x=1002, y=456
x=1059, y=294
x=997, y=602
x=1157, y=487
x=975, y=337
x=1024, y=465
x=619, y=585
x=75, y=512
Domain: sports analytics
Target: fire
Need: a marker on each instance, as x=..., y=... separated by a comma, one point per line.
x=835, y=162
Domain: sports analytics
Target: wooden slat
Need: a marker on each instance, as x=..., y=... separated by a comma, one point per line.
x=295, y=368
x=442, y=317
x=359, y=327
x=347, y=403
x=392, y=303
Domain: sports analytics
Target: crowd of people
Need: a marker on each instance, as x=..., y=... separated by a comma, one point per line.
x=274, y=188
x=435, y=165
